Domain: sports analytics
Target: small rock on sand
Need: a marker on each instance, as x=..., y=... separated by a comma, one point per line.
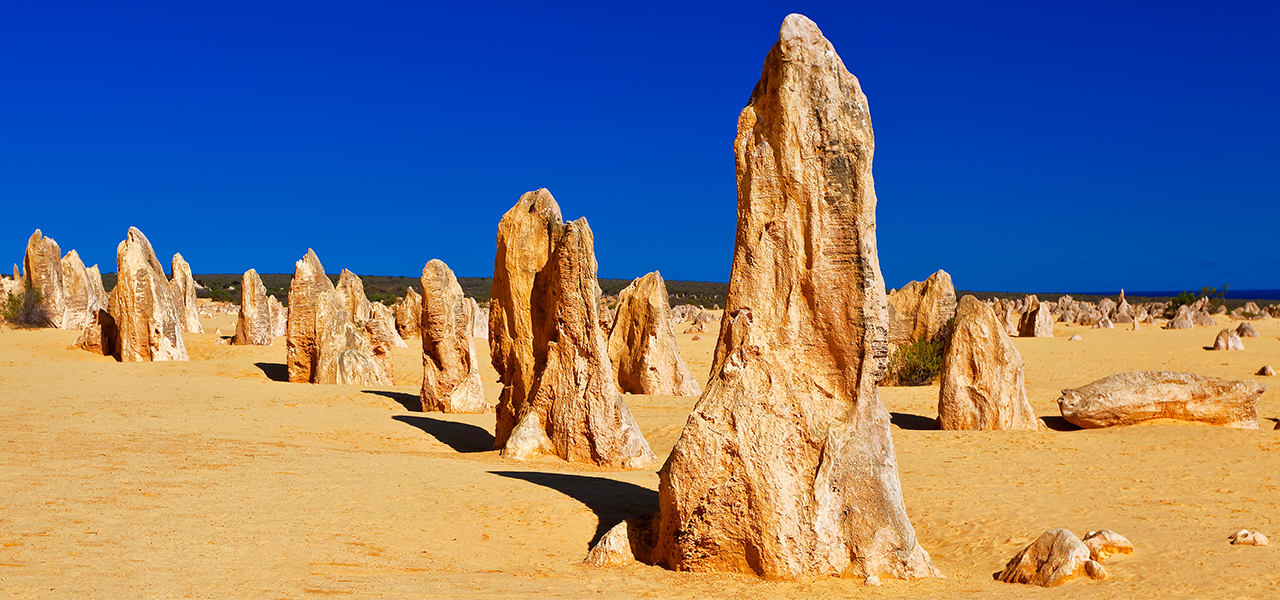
x=1246, y=330
x=1075, y=338
x=1246, y=538
x=1266, y=371
x=1227, y=340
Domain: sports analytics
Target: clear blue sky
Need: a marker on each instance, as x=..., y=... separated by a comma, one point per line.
x=1020, y=146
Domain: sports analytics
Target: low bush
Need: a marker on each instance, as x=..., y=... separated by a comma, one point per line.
x=919, y=362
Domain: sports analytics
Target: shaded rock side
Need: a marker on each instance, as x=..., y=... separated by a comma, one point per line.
x=1228, y=339
x=642, y=344
x=322, y=343
x=982, y=382
x=256, y=325
x=386, y=318
x=42, y=272
x=147, y=324
x=409, y=315
x=920, y=310
x=1037, y=320
x=576, y=401
x=380, y=334
x=1128, y=398
x=786, y=468
x=1056, y=557
x=481, y=325
x=450, y=368
x=518, y=328
x=184, y=295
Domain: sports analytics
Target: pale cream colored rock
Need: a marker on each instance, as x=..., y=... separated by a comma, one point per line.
x=981, y=385
x=1244, y=537
x=1128, y=398
x=1228, y=340
x=408, y=315
x=1037, y=320
x=451, y=369
x=1104, y=543
x=256, y=324
x=1104, y=323
x=1245, y=330
x=42, y=272
x=279, y=316
x=381, y=334
x=1075, y=338
x=548, y=347
x=1203, y=319
x=1266, y=371
x=79, y=297
x=642, y=345
x=97, y=293
x=480, y=328
x=386, y=317
x=519, y=330
x=323, y=344
x=184, y=295
x=613, y=550
x=1057, y=556
x=576, y=398
x=147, y=324
x=920, y=310
x=786, y=467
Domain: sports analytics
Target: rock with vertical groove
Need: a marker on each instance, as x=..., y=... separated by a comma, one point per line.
x=42, y=273
x=408, y=312
x=642, y=344
x=256, y=324
x=147, y=323
x=323, y=345
x=451, y=371
x=184, y=295
x=480, y=328
x=982, y=382
x=80, y=295
x=386, y=317
x=1037, y=320
x=380, y=334
x=786, y=467
x=546, y=343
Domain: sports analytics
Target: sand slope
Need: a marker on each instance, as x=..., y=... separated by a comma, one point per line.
x=214, y=479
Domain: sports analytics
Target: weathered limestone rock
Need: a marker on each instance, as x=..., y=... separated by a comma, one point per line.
x=1057, y=556
x=1250, y=311
x=380, y=333
x=80, y=300
x=642, y=345
x=1128, y=398
x=451, y=371
x=386, y=317
x=1011, y=316
x=548, y=347
x=1107, y=307
x=1267, y=371
x=323, y=344
x=613, y=550
x=1104, y=543
x=981, y=386
x=1228, y=340
x=1075, y=338
x=1244, y=537
x=184, y=296
x=42, y=272
x=1203, y=319
x=1245, y=330
x=1104, y=323
x=1181, y=321
x=147, y=324
x=481, y=327
x=1037, y=321
x=920, y=311
x=408, y=313
x=256, y=325
x=279, y=316
x=786, y=467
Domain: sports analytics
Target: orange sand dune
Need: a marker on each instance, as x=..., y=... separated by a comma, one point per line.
x=212, y=478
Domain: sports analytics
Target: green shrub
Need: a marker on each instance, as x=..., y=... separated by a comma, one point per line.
x=1188, y=297
x=24, y=309
x=919, y=362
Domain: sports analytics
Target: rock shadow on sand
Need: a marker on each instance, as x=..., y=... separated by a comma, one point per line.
x=1060, y=424
x=913, y=422
x=462, y=437
x=612, y=501
x=410, y=402
x=274, y=371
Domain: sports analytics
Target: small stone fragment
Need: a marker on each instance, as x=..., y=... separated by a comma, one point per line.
x=613, y=550
x=1056, y=557
x=1244, y=537
x=1266, y=371
x=871, y=580
x=1075, y=338
x=1105, y=543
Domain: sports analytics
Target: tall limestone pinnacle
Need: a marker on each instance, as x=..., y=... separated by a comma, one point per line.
x=786, y=467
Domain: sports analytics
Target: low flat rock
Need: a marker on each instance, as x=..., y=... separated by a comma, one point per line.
x=1128, y=398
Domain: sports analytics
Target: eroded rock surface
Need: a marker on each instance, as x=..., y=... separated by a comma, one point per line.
x=642, y=345
x=1056, y=557
x=451, y=370
x=1104, y=543
x=921, y=310
x=142, y=304
x=256, y=325
x=1245, y=330
x=786, y=467
x=184, y=295
x=982, y=385
x=323, y=343
x=409, y=315
x=42, y=273
x=1228, y=340
x=1037, y=321
x=1128, y=398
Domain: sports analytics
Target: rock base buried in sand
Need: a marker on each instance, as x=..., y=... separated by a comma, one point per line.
x=1128, y=398
x=1228, y=340
x=1055, y=558
x=1244, y=537
x=1246, y=330
x=1266, y=371
x=981, y=386
x=1104, y=543
x=613, y=550
x=1075, y=338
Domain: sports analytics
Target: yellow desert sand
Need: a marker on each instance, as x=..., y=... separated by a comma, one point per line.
x=216, y=478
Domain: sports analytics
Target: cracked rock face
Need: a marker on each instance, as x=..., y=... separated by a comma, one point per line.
x=451, y=371
x=408, y=314
x=256, y=325
x=642, y=343
x=1055, y=558
x=920, y=310
x=1128, y=398
x=184, y=295
x=148, y=326
x=546, y=342
x=786, y=467
x=323, y=342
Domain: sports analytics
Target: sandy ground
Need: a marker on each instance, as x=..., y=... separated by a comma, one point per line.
x=213, y=478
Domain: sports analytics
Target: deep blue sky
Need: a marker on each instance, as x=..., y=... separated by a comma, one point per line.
x=1020, y=146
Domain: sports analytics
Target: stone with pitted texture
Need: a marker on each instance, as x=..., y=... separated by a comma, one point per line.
x=80, y=293
x=408, y=312
x=147, y=324
x=256, y=324
x=786, y=467
x=1104, y=543
x=1037, y=320
x=921, y=310
x=1128, y=398
x=42, y=273
x=381, y=333
x=323, y=345
x=981, y=385
x=184, y=295
x=451, y=370
x=1056, y=557
x=1244, y=537
x=642, y=345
